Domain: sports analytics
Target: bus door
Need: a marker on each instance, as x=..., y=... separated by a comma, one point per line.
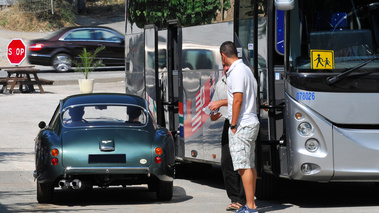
x=201, y=71
x=171, y=96
x=152, y=81
x=256, y=38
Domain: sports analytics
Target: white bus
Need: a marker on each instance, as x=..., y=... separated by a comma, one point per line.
x=316, y=65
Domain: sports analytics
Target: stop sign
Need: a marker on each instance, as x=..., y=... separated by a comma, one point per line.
x=16, y=51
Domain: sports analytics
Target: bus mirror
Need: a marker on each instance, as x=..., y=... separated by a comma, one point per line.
x=284, y=4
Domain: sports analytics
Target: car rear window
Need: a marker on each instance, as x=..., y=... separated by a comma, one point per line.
x=104, y=115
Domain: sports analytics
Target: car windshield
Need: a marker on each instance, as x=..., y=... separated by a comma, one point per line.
x=334, y=36
x=103, y=115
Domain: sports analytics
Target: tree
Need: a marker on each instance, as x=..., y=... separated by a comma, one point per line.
x=187, y=12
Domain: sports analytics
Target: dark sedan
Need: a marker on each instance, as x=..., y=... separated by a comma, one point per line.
x=64, y=46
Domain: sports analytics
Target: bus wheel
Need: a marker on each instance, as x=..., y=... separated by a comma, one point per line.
x=268, y=187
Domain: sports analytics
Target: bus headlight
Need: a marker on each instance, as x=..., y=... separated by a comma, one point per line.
x=312, y=145
x=305, y=129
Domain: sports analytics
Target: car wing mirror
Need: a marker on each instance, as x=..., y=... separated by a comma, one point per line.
x=42, y=124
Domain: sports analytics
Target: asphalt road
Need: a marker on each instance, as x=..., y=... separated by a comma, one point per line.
x=195, y=191
x=20, y=114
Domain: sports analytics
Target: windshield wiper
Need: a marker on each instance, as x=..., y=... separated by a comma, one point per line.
x=334, y=79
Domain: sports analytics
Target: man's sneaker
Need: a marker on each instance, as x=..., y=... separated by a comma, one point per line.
x=246, y=209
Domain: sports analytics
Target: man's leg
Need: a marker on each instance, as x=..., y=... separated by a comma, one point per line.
x=249, y=180
x=232, y=179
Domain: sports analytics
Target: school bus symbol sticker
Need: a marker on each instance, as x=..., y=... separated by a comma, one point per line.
x=322, y=59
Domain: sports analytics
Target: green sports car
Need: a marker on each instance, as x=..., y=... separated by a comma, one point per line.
x=103, y=140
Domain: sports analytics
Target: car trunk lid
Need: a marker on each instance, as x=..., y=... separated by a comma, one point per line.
x=105, y=147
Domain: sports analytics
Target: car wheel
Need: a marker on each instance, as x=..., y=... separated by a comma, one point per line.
x=152, y=187
x=45, y=192
x=165, y=190
x=62, y=62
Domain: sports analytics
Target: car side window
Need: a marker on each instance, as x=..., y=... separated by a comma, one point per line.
x=105, y=35
x=54, y=120
x=78, y=35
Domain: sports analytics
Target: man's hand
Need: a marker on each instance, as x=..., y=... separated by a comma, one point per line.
x=215, y=116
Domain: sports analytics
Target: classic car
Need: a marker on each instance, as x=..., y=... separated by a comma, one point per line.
x=103, y=140
x=62, y=47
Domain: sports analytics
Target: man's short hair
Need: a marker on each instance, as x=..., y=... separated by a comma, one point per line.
x=229, y=49
x=133, y=112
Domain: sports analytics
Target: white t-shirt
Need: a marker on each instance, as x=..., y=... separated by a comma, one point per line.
x=220, y=94
x=241, y=79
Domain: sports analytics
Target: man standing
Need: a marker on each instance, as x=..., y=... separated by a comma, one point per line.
x=244, y=123
x=232, y=179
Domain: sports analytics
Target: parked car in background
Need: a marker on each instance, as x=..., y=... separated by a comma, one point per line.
x=62, y=47
x=103, y=140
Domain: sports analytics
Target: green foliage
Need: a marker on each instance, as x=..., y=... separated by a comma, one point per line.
x=187, y=12
x=105, y=6
x=64, y=15
x=87, y=61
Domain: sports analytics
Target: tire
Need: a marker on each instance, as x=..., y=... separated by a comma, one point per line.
x=45, y=192
x=152, y=186
x=62, y=62
x=165, y=190
x=268, y=187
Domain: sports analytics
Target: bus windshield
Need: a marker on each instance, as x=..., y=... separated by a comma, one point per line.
x=333, y=36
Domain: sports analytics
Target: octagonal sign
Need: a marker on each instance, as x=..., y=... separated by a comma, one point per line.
x=16, y=51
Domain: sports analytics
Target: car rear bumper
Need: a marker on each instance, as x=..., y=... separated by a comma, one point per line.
x=105, y=170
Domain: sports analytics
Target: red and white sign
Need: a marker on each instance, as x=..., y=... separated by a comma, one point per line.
x=16, y=51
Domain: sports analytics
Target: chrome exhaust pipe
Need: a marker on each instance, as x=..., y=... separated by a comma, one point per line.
x=76, y=184
x=64, y=184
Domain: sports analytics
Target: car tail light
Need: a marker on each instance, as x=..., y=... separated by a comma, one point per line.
x=158, y=159
x=158, y=151
x=54, y=152
x=35, y=47
x=54, y=161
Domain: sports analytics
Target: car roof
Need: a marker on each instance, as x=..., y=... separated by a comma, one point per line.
x=67, y=29
x=102, y=98
x=58, y=34
x=84, y=27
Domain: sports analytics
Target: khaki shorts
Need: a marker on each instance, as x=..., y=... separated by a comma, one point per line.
x=242, y=146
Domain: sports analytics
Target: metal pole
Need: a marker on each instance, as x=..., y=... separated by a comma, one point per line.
x=52, y=7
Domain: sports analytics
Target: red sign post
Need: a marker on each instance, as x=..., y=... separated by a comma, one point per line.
x=16, y=51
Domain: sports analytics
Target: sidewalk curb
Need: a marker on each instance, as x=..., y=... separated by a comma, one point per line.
x=74, y=82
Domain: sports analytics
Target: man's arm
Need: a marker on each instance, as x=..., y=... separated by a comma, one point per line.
x=215, y=105
x=237, y=102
